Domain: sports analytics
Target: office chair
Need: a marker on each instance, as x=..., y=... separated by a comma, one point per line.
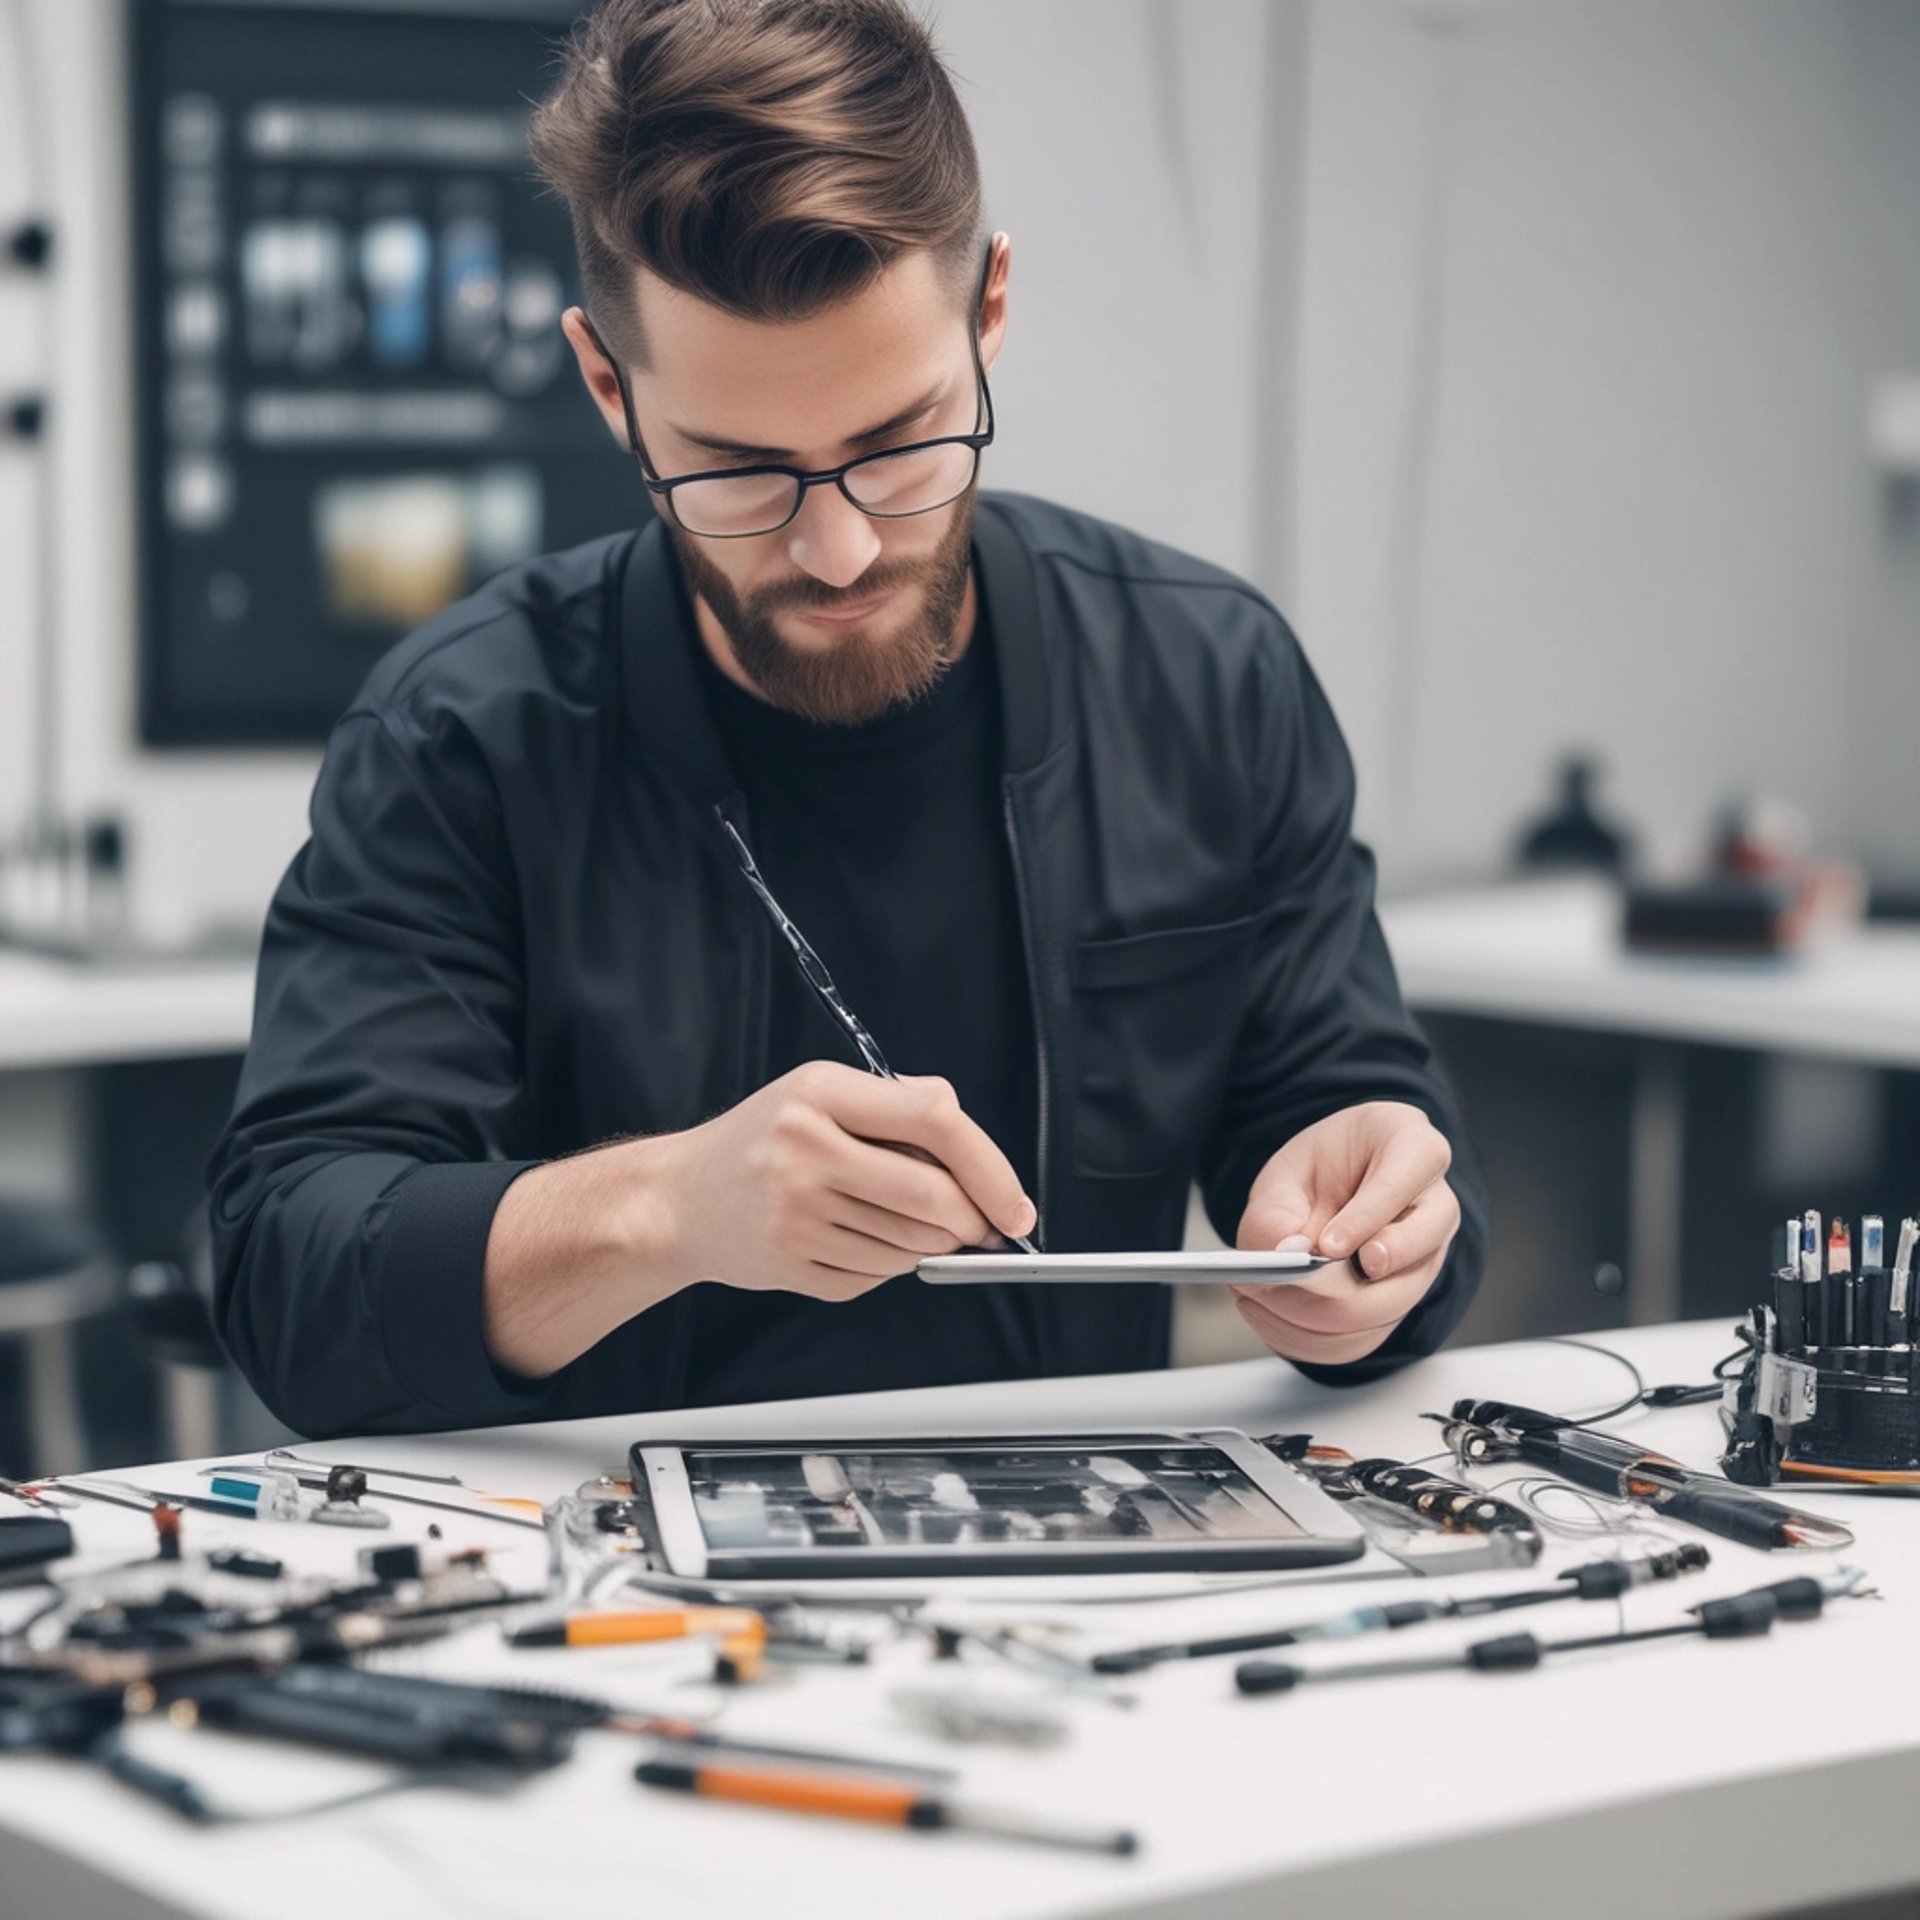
x=172, y=1304
x=54, y=1273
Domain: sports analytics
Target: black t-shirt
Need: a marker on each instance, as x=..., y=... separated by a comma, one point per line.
x=886, y=844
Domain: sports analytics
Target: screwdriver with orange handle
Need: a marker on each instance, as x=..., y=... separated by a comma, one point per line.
x=887, y=1803
x=742, y=1632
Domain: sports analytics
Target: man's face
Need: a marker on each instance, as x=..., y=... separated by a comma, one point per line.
x=837, y=616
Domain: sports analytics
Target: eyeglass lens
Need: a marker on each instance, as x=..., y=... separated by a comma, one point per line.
x=886, y=485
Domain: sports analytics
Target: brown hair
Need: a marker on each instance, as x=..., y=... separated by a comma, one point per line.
x=768, y=156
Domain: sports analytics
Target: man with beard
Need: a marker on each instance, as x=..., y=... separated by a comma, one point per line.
x=542, y=1119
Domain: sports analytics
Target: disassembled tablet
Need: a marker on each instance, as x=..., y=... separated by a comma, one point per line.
x=1205, y=1501
x=1215, y=1268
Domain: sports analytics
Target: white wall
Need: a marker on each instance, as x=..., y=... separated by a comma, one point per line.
x=210, y=832
x=1123, y=146
x=1674, y=245
x=1886, y=684
x=1127, y=147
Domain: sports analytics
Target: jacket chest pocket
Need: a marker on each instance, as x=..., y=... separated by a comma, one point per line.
x=1155, y=1018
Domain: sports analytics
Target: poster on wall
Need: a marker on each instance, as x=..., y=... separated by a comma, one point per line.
x=355, y=402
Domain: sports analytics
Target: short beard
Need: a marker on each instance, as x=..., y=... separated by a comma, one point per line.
x=856, y=679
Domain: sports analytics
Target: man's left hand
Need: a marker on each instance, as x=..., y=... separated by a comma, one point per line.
x=1368, y=1186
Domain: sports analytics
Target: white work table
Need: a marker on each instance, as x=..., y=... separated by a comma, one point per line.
x=1551, y=953
x=1546, y=952
x=1680, y=1779
x=54, y=1013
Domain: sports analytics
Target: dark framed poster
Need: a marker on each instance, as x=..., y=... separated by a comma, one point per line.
x=354, y=399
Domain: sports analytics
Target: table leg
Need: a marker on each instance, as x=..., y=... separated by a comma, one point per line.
x=53, y=1400
x=1655, y=1153
x=192, y=1400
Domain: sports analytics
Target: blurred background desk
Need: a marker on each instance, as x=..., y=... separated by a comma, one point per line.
x=113, y=1079
x=1700, y=1073
x=1549, y=952
x=57, y=1015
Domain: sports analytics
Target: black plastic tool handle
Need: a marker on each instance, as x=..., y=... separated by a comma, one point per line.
x=1732, y=1513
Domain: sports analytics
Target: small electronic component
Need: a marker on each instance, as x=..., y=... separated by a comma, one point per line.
x=274, y=1493
x=29, y=1543
x=973, y=1714
x=265, y=1494
x=388, y=1564
x=416, y=1721
x=342, y=1508
x=166, y=1531
x=1417, y=1516
x=248, y=1566
x=1449, y=1504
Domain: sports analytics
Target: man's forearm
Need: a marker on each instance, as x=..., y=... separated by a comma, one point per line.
x=578, y=1247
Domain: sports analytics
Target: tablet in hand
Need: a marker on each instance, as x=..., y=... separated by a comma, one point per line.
x=1215, y=1268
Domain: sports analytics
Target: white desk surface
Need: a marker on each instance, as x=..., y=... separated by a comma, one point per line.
x=1681, y=1779
x=1550, y=952
x=55, y=1014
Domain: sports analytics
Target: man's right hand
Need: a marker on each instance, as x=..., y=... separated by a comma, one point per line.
x=795, y=1189
x=803, y=1188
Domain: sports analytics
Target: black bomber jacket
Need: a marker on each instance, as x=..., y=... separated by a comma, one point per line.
x=515, y=932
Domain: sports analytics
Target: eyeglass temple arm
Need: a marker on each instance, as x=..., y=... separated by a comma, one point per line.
x=973, y=340
x=637, y=447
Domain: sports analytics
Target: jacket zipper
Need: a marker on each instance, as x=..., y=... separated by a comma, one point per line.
x=1039, y=1028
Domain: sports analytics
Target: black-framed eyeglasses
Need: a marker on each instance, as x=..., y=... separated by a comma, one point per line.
x=740, y=503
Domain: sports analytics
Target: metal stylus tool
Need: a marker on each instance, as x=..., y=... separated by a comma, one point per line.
x=815, y=972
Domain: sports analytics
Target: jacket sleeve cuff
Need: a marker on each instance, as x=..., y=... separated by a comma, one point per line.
x=428, y=1275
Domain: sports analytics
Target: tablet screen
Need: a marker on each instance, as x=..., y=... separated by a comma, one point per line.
x=965, y=1496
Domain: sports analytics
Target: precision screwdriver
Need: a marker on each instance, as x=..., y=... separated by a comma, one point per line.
x=886, y=1802
x=1598, y=1580
x=1740, y=1616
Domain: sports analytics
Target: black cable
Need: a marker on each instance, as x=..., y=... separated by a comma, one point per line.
x=1625, y=1522
x=1684, y=1394
x=1635, y=1399
x=1585, y=1420
x=1674, y=1394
